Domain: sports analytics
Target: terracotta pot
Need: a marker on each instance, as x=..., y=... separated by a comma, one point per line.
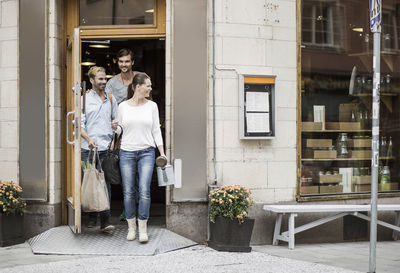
x=11, y=229
x=230, y=235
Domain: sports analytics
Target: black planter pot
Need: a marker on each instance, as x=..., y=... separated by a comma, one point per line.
x=230, y=235
x=11, y=229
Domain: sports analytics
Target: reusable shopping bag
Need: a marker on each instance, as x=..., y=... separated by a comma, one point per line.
x=110, y=162
x=94, y=194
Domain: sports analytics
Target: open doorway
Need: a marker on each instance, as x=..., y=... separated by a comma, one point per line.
x=149, y=57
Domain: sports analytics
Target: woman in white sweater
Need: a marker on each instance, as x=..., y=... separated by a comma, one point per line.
x=140, y=121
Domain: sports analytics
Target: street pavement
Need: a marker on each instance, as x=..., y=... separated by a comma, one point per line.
x=193, y=259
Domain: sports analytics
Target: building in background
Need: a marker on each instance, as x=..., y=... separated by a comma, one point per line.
x=274, y=95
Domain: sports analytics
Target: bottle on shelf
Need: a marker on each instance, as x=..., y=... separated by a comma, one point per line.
x=357, y=87
x=353, y=116
x=360, y=118
x=383, y=147
x=367, y=123
x=390, y=147
x=341, y=146
x=383, y=85
x=384, y=178
x=368, y=86
x=388, y=86
x=363, y=83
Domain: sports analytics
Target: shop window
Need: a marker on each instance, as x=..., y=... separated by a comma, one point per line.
x=390, y=40
x=336, y=100
x=322, y=23
x=116, y=12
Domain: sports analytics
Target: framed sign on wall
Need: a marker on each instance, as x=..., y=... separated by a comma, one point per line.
x=256, y=107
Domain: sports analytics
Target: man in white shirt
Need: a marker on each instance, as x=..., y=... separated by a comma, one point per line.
x=97, y=125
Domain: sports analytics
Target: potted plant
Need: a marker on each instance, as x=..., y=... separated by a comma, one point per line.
x=230, y=228
x=11, y=214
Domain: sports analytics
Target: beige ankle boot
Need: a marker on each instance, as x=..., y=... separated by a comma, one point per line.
x=131, y=229
x=143, y=238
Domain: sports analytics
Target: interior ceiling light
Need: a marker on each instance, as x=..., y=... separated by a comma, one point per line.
x=88, y=62
x=358, y=29
x=99, y=46
x=106, y=42
x=150, y=11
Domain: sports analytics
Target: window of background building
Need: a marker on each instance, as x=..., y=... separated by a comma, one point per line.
x=322, y=23
x=336, y=95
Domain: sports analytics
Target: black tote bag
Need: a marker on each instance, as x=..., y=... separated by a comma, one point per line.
x=110, y=162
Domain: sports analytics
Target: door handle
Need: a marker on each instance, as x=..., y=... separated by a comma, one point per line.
x=71, y=142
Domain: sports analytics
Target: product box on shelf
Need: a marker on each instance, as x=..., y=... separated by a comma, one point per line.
x=381, y=187
x=332, y=126
x=307, y=125
x=388, y=187
x=331, y=189
x=360, y=143
x=345, y=110
x=360, y=187
x=319, y=143
x=323, y=154
x=334, y=178
x=351, y=126
x=309, y=189
x=361, y=180
x=360, y=153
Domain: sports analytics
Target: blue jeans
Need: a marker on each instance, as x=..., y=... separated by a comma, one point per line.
x=84, y=155
x=142, y=163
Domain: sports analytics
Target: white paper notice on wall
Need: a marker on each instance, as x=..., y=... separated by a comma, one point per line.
x=178, y=173
x=257, y=101
x=257, y=122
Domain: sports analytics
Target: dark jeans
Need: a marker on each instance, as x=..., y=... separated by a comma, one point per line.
x=84, y=156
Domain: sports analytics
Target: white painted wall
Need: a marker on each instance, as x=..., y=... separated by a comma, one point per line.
x=254, y=37
x=54, y=63
x=9, y=90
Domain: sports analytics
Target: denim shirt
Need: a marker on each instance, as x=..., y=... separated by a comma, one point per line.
x=97, y=120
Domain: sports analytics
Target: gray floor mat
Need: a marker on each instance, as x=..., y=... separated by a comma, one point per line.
x=61, y=240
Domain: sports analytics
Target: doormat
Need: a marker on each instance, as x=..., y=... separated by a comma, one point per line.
x=61, y=240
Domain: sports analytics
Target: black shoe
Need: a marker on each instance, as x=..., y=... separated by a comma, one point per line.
x=105, y=226
x=92, y=222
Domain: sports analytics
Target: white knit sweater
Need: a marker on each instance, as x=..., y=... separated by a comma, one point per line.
x=141, y=126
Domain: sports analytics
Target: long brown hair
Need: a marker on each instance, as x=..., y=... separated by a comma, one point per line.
x=139, y=78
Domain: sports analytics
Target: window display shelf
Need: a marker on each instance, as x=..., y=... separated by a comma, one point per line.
x=344, y=159
x=370, y=95
x=386, y=98
x=336, y=131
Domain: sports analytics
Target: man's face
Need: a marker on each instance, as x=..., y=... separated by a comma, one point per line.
x=125, y=63
x=99, y=82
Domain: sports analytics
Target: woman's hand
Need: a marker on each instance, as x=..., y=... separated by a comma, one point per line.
x=114, y=124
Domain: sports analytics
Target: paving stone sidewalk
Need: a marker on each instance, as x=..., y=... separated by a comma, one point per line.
x=193, y=259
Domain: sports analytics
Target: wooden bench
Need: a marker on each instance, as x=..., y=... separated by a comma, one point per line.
x=340, y=210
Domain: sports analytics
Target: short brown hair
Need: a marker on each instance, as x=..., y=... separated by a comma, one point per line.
x=125, y=52
x=94, y=70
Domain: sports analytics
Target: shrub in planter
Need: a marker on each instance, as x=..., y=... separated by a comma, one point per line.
x=11, y=214
x=230, y=228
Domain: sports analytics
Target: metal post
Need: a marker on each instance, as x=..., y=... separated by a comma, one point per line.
x=375, y=16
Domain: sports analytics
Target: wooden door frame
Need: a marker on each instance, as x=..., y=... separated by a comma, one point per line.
x=71, y=21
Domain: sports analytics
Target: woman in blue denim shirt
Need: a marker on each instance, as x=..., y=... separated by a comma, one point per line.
x=140, y=120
